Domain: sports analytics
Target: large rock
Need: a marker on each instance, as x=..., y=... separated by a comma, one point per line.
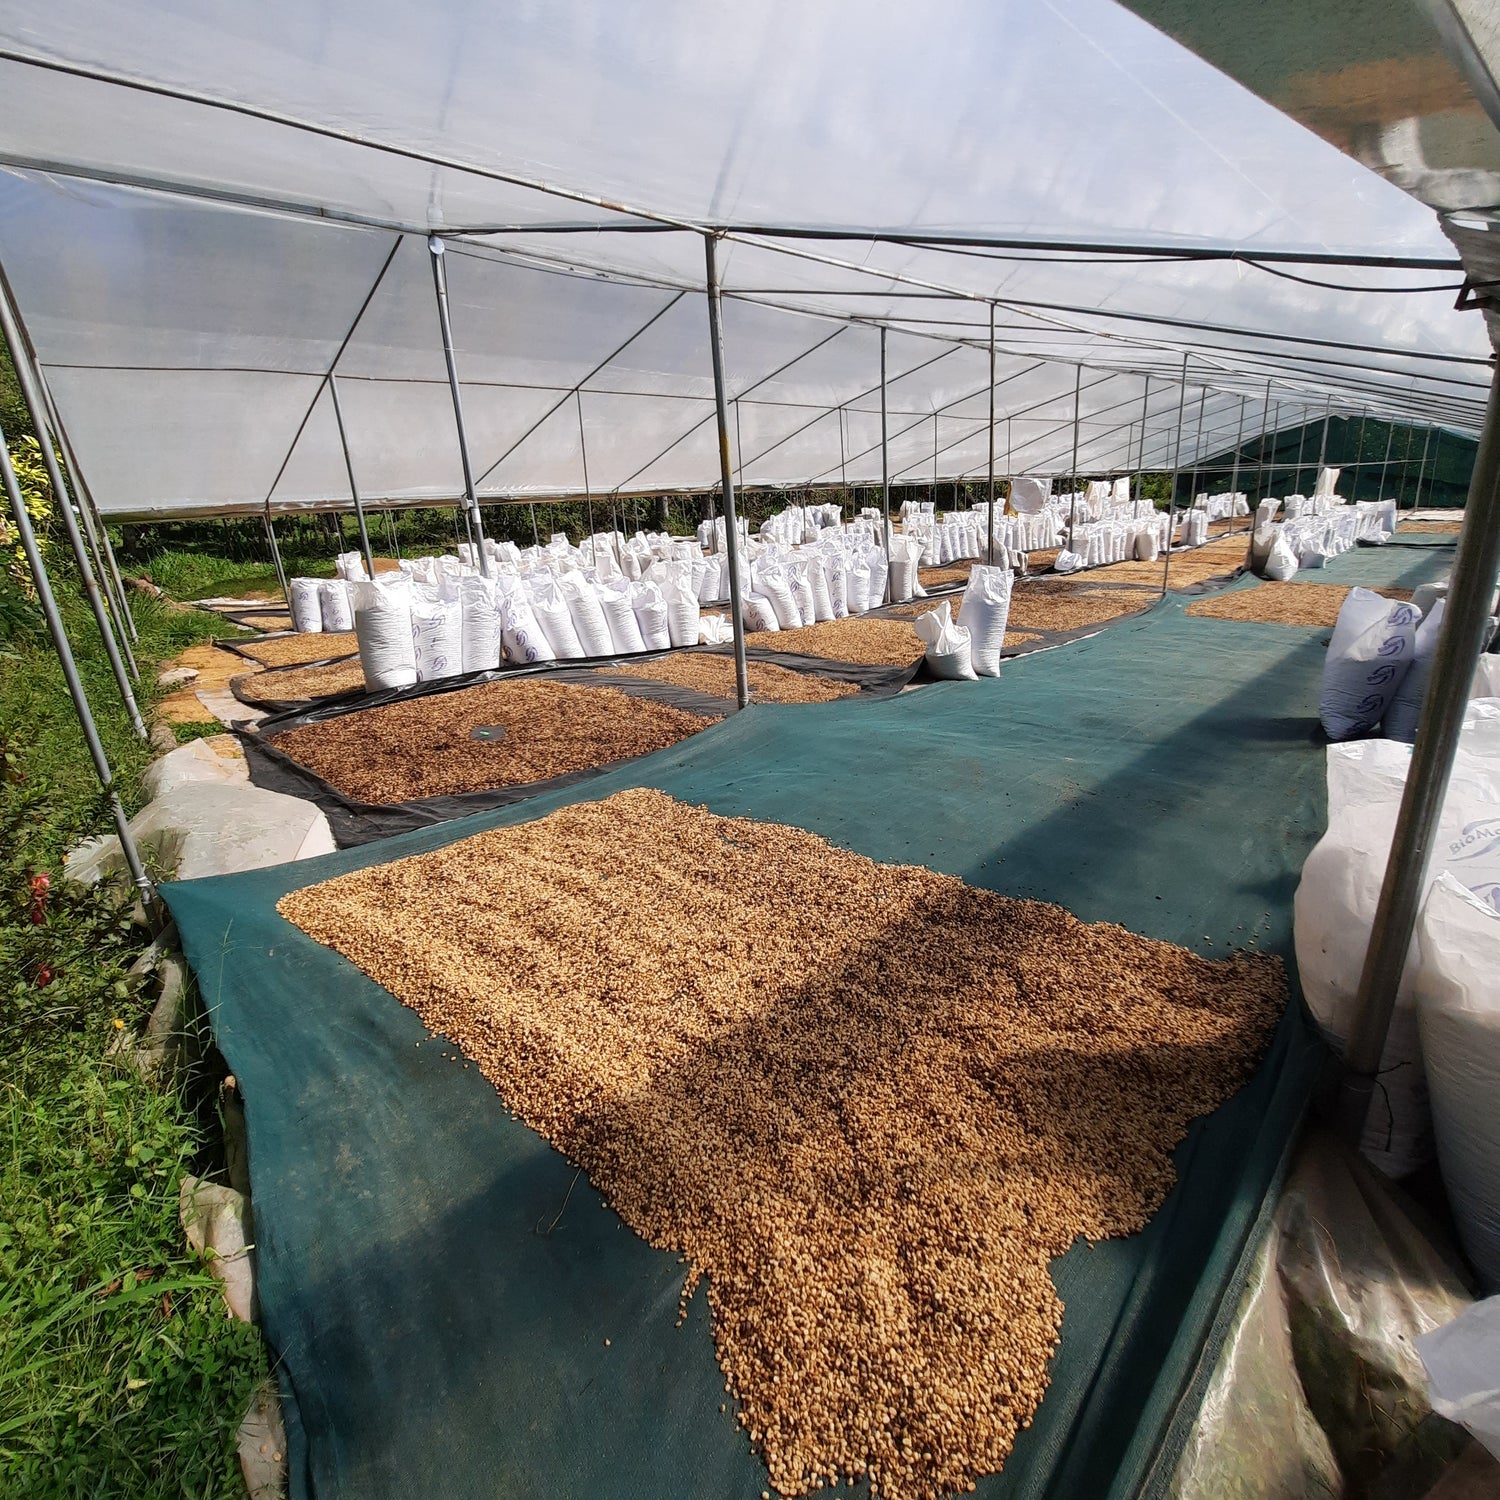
x=200, y=828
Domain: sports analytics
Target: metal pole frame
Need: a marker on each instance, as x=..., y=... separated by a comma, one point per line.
x=990, y=509
x=35, y=407
x=59, y=635
x=1198, y=447
x=1073, y=474
x=1359, y=452
x=1461, y=639
x=1385, y=463
x=1301, y=444
x=1176, y=465
x=93, y=523
x=885, y=466
x=1140, y=459
x=726, y=474
x=588, y=494
x=276, y=554
x=440, y=288
x=359, y=509
x=1421, y=468
x=1234, y=477
x=1323, y=446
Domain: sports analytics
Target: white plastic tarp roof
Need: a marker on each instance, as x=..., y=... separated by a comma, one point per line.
x=200, y=203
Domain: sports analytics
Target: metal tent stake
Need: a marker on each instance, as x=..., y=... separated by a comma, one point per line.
x=726, y=473
x=70, y=674
x=359, y=509
x=440, y=287
x=1461, y=639
x=35, y=406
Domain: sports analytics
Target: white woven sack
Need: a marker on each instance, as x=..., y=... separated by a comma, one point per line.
x=480, y=649
x=774, y=583
x=1457, y=985
x=382, y=626
x=1145, y=546
x=833, y=581
x=437, y=637
x=879, y=569
x=619, y=615
x=1406, y=706
x=588, y=615
x=947, y=645
x=758, y=613
x=334, y=606
x=797, y=571
x=650, y=606
x=307, y=609
x=551, y=616
x=522, y=636
x=1281, y=564
x=817, y=581
x=1371, y=650
x=986, y=608
x=857, y=585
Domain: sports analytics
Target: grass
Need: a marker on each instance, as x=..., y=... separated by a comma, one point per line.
x=120, y=1373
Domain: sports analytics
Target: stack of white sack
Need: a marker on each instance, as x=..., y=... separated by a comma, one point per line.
x=1374, y=642
x=1340, y=886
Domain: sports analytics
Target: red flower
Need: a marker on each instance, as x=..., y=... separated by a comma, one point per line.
x=43, y=977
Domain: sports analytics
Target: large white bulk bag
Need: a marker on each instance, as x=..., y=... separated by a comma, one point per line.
x=1145, y=546
x=349, y=566
x=522, y=636
x=879, y=574
x=334, y=607
x=650, y=606
x=1368, y=656
x=480, y=649
x=758, y=613
x=817, y=582
x=986, y=608
x=437, y=635
x=1068, y=562
x=833, y=580
x=947, y=644
x=1281, y=563
x=905, y=554
x=588, y=615
x=857, y=585
x=1457, y=985
x=619, y=616
x=1335, y=904
x=683, y=609
x=802, y=592
x=307, y=608
x=714, y=583
x=1406, y=707
x=775, y=583
x=382, y=625
x=551, y=615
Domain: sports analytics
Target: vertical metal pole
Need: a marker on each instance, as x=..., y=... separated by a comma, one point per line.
x=990, y=511
x=93, y=524
x=1437, y=443
x=1323, y=446
x=1390, y=437
x=1260, y=486
x=1421, y=468
x=588, y=494
x=1301, y=441
x=359, y=509
x=440, y=287
x=885, y=470
x=1073, y=480
x=1197, y=448
x=726, y=474
x=276, y=555
x=64, y=504
x=536, y=536
x=1140, y=463
x=1461, y=639
x=1359, y=452
x=1234, y=473
x=70, y=672
x=1176, y=464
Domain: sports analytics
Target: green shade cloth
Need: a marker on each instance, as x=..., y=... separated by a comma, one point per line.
x=439, y=1288
x=1409, y=559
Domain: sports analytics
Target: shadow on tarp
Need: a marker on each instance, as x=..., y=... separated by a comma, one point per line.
x=434, y=1340
x=1405, y=562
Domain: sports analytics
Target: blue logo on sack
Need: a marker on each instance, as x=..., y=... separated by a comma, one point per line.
x=1475, y=841
x=1394, y=645
x=1380, y=676
x=1403, y=614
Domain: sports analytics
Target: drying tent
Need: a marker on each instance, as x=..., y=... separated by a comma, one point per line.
x=1084, y=249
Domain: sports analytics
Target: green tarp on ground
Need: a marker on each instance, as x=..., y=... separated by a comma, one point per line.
x=1408, y=559
x=439, y=1288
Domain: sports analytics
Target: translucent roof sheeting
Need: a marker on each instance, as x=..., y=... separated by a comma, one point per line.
x=199, y=207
